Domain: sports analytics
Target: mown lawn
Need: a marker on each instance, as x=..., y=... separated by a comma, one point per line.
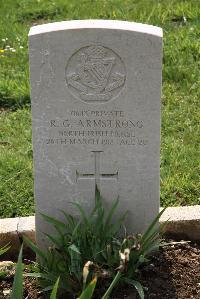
x=180, y=157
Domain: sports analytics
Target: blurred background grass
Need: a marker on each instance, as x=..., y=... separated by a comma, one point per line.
x=180, y=20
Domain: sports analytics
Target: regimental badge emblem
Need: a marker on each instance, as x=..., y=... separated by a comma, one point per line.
x=95, y=74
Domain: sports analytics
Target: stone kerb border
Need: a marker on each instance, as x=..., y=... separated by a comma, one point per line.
x=184, y=222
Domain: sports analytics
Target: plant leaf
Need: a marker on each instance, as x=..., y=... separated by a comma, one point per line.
x=113, y=284
x=74, y=248
x=137, y=285
x=152, y=240
x=82, y=212
x=151, y=227
x=75, y=229
x=4, y=249
x=3, y=274
x=71, y=221
x=53, y=221
x=53, y=240
x=55, y=288
x=17, y=288
x=111, y=212
x=34, y=248
x=88, y=292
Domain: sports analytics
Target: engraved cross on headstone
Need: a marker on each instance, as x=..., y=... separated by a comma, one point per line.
x=97, y=175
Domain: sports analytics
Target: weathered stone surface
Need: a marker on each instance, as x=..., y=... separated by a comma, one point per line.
x=182, y=222
x=26, y=227
x=95, y=89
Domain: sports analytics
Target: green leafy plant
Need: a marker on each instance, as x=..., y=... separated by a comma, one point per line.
x=92, y=236
x=89, y=248
x=135, y=250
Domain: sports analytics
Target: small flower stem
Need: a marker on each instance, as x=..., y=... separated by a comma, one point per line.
x=112, y=285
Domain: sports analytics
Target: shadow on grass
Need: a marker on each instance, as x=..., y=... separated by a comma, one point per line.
x=14, y=103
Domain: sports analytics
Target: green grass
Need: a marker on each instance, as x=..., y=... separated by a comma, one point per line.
x=180, y=20
x=16, y=188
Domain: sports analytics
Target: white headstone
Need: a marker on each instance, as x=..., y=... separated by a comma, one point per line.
x=95, y=89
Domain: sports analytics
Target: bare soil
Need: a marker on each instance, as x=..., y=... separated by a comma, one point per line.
x=173, y=273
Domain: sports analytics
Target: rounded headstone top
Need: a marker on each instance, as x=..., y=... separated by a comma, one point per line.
x=96, y=24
